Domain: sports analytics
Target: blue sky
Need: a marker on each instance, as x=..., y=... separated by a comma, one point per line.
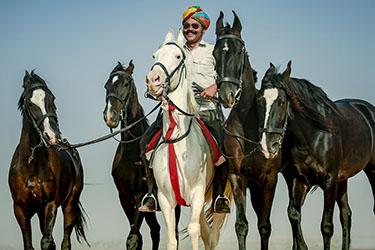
x=74, y=45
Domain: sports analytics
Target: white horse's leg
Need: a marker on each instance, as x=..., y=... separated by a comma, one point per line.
x=196, y=209
x=170, y=221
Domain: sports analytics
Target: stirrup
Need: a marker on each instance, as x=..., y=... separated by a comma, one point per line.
x=220, y=197
x=150, y=196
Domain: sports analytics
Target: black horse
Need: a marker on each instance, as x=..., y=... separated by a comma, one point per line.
x=128, y=173
x=41, y=178
x=324, y=143
x=248, y=168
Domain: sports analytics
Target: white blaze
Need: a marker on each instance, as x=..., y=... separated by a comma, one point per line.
x=226, y=48
x=270, y=95
x=114, y=79
x=38, y=98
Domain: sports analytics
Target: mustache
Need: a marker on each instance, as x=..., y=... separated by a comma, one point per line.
x=190, y=31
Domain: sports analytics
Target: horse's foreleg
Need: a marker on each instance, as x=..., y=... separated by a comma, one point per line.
x=169, y=217
x=47, y=242
x=297, y=193
x=239, y=186
x=23, y=220
x=262, y=199
x=196, y=209
x=326, y=226
x=345, y=213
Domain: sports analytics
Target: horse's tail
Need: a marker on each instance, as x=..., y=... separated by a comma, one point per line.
x=81, y=222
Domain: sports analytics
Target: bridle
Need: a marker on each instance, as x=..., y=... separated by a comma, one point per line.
x=234, y=80
x=167, y=86
x=36, y=123
x=125, y=104
x=280, y=131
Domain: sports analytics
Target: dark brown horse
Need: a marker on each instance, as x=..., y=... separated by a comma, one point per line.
x=248, y=168
x=324, y=143
x=128, y=173
x=41, y=179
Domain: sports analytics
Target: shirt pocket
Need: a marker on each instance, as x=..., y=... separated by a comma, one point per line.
x=204, y=67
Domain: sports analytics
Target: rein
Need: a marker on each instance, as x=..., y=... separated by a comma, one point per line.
x=66, y=145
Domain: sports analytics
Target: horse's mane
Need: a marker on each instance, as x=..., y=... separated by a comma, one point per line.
x=309, y=100
x=34, y=78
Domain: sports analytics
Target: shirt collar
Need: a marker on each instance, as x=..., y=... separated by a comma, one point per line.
x=201, y=43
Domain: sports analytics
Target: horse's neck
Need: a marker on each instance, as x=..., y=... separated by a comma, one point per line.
x=134, y=113
x=29, y=139
x=180, y=99
x=246, y=102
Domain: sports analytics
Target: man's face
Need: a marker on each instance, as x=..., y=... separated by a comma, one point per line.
x=193, y=31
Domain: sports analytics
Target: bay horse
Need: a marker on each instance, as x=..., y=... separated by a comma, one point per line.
x=248, y=168
x=41, y=178
x=182, y=161
x=129, y=175
x=323, y=142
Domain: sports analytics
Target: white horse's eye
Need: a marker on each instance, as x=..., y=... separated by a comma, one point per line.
x=178, y=57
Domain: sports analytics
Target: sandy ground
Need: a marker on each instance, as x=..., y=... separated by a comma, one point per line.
x=280, y=244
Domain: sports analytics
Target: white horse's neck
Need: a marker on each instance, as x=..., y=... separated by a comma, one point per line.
x=182, y=98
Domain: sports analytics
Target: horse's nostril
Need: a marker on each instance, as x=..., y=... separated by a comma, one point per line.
x=147, y=81
x=157, y=78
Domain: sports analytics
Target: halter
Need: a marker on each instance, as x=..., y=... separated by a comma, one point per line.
x=36, y=124
x=167, y=86
x=280, y=131
x=234, y=80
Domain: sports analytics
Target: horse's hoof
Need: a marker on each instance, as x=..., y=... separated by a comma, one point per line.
x=221, y=206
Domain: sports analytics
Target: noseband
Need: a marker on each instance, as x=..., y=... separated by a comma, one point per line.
x=234, y=80
x=37, y=123
x=167, y=86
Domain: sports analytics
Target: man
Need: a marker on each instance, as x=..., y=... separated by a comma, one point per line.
x=200, y=64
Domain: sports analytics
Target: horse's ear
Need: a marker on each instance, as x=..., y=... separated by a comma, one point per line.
x=236, y=23
x=169, y=37
x=286, y=73
x=130, y=68
x=219, y=24
x=270, y=71
x=119, y=64
x=180, y=36
x=26, y=80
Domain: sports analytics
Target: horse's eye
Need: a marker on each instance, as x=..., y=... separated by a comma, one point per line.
x=178, y=57
x=153, y=57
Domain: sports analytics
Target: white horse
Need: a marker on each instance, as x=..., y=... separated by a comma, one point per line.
x=182, y=149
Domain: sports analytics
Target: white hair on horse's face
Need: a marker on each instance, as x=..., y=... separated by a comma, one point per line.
x=114, y=79
x=38, y=99
x=226, y=48
x=270, y=95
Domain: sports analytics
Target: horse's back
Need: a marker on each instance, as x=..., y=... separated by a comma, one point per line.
x=357, y=127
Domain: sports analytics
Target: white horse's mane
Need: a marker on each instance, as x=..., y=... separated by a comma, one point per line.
x=180, y=42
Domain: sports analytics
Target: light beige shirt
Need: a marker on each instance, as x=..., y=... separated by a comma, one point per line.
x=200, y=65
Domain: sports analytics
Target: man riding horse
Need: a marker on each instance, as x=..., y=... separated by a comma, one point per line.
x=200, y=64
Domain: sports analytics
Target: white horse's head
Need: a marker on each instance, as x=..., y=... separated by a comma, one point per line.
x=168, y=61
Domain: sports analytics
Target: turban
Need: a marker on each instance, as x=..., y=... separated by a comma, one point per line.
x=197, y=13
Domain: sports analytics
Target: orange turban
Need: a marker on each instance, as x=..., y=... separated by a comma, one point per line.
x=197, y=13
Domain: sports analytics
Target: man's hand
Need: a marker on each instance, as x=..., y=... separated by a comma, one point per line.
x=209, y=92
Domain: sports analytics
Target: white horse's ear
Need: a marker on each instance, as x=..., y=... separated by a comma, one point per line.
x=180, y=36
x=169, y=37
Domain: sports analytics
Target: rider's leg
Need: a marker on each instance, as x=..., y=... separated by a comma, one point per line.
x=149, y=202
x=213, y=123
